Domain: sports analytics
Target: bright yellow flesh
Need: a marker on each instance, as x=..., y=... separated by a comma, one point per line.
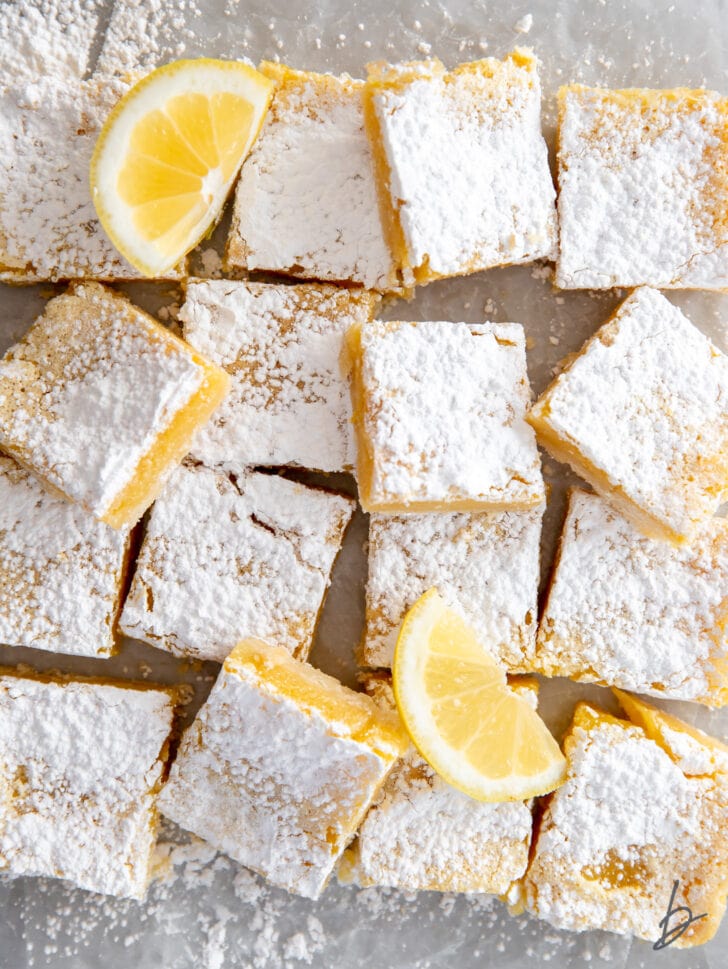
x=349, y=713
x=462, y=715
x=169, y=153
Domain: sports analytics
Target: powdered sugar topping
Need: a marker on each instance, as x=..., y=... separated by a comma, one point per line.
x=289, y=402
x=87, y=818
x=227, y=558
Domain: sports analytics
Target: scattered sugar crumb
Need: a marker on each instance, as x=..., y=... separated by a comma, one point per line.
x=524, y=25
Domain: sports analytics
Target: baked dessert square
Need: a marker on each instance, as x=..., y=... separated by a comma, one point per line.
x=635, y=815
x=486, y=566
x=643, y=176
x=62, y=572
x=81, y=765
x=228, y=557
x=439, y=417
x=289, y=401
x=280, y=766
x=310, y=176
x=462, y=164
x=641, y=413
x=101, y=401
x=421, y=834
x=626, y=610
x=48, y=225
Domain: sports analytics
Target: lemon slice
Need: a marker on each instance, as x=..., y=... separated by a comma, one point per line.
x=462, y=716
x=169, y=153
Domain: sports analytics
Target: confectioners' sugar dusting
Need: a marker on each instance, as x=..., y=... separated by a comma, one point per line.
x=622, y=793
x=60, y=571
x=625, y=824
x=637, y=612
x=289, y=403
x=48, y=224
x=486, y=566
x=85, y=394
x=310, y=175
x=647, y=404
x=423, y=834
x=444, y=406
x=42, y=37
x=693, y=757
x=254, y=555
x=642, y=175
x=469, y=174
x=142, y=34
x=276, y=788
x=82, y=761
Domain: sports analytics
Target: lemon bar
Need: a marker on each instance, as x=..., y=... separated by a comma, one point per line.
x=485, y=566
x=463, y=167
x=48, y=224
x=81, y=765
x=228, y=557
x=641, y=413
x=280, y=766
x=632, y=818
x=289, y=402
x=310, y=176
x=101, y=401
x=628, y=611
x=61, y=570
x=421, y=834
x=643, y=176
x=439, y=417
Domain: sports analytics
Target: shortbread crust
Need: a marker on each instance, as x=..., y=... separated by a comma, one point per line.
x=439, y=416
x=229, y=557
x=485, y=566
x=101, y=401
x=463, y=167
x=641, y=413
x=61, y=570
x=306, y=203
x=81, y=764
x=630, y=611
x=280, y=766
x=289, y=402
x=643, y=176
x=628, y=823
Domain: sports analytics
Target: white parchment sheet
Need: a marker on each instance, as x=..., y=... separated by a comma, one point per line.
x=206, y=912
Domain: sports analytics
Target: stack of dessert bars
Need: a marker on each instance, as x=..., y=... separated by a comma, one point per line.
x=355, y=193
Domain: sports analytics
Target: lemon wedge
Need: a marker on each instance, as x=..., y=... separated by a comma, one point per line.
x=463, y=717
x=168, y=154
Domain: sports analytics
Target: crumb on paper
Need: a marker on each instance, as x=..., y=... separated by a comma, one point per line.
x=524, y=25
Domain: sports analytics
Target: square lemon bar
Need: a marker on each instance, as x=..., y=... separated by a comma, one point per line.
x=439, y=417
x=628, y=611
x=228, y=557
x=101, y=401
x=421, y=834
x=280, y=766
x=641, y=413
x=310, y=175
x=643, y=176
x=487, y=566
x=281, y=345
x=61, y=570
x=48, y=224
x=81, y=765
x=642, y=807
x=463, y=166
